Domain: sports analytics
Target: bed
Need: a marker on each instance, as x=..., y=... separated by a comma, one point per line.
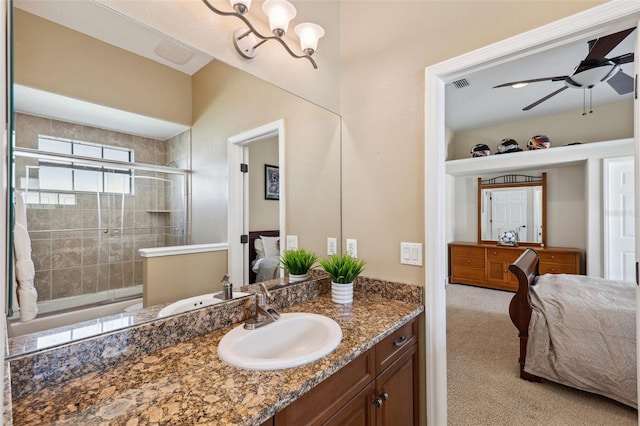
x=264, y=255
x=575, y=330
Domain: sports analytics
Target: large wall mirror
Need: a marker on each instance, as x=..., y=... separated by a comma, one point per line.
x=120, y=143
x=513, y=206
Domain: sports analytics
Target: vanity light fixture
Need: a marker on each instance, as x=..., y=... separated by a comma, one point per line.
x=280, y=13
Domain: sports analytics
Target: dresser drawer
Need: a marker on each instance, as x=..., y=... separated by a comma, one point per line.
x=467, y=251
x=566, y=258
x=462, y=273
x=552, y=268
x=469, y=262
x=507, y=255
x=394, y=345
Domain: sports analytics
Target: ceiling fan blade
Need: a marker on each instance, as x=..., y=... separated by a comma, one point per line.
x=602, y=46
x=621, y=83
x=539, y=101
x=533, y=80
x=623, y=59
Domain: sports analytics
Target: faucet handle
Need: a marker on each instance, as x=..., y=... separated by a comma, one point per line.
x=264, y=290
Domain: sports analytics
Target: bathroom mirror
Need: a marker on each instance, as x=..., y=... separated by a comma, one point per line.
x=513, y=204
x=181, y=133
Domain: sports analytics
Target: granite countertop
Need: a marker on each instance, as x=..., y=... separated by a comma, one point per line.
x=188, y=383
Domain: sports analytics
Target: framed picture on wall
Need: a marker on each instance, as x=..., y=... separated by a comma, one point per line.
x=271, y=182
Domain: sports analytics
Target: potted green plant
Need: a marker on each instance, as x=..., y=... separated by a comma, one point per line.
x=343, y=270
x=298, y=262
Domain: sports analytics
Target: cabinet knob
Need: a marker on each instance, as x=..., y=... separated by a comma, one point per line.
x=380, y=399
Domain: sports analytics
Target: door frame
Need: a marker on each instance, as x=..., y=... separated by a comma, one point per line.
x=238, y=253
x=566, y=30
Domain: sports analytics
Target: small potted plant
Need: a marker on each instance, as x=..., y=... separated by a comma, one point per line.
x=343, y=270
x=298, y=262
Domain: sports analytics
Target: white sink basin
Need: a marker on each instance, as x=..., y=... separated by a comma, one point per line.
x=195, y=302
x=293, y=340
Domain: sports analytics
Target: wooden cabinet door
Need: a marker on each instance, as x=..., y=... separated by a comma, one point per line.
x=357, y=412
x=397, y=392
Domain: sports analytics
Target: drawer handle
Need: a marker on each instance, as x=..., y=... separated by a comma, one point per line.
x=401, y=341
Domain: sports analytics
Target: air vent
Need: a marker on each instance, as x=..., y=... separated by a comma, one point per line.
x=459, y=84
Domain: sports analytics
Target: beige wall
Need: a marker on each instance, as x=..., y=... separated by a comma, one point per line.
x=385, y=49
x=263, y=214
x=227, y=102
x=171, y=278
x=608, y=122
x=566, y=206
x=56, y=59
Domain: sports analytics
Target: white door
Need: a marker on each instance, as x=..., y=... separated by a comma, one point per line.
x=619, y=226
x=636, y=136
x=508, y=212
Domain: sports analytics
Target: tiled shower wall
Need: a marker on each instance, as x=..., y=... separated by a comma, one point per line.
x=88, y=260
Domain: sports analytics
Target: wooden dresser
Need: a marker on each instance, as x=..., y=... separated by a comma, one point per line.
x=487, y=265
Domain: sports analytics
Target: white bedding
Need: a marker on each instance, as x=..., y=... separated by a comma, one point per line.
x=266, y=268
x=583, y=334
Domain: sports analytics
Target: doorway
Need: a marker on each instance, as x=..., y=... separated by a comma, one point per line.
x=240, y=147
x=572, y=28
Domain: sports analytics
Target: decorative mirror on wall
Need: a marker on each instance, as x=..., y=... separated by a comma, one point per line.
x=512, y=210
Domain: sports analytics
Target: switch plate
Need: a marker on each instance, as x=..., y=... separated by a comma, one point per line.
x=352, y=247
x=332, y=246
x=411, y=253
x=292, y=242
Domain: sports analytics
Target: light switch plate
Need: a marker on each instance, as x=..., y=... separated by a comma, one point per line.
x=352, y=247
x=411, y=253
x=332, y=246
x=292, y=242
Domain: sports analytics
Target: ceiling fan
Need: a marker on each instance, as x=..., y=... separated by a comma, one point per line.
x=593, y=69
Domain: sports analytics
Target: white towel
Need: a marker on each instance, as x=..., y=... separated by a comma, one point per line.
x=24, y=270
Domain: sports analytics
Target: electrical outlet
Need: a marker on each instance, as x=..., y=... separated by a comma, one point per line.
x=352, y=247
x=332, y=246
x=292, y=242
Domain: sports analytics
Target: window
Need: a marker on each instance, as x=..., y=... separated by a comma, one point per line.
x=68, y=176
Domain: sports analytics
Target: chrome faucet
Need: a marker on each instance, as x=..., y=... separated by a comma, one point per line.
x=265, y=314
x=227, y=289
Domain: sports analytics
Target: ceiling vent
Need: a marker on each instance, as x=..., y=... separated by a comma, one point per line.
x=459, y=84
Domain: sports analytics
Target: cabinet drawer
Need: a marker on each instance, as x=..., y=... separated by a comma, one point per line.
x=566, y=258
x=469, y=262
x=467, y=251
x=462, y=272
x=508, y=255
x=394, y=345
x=553, y=268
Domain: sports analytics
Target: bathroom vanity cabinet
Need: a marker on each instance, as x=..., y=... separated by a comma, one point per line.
x=380, y=387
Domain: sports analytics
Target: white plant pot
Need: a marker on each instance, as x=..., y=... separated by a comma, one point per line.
x=298, y=278
x=342, y=293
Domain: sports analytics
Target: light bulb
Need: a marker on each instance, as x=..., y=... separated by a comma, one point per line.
x=309, y=35
x=280, y=12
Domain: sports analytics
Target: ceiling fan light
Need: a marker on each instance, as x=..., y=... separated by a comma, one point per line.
x=519, y=85
x=240, y=6
x=309, y=34
x=280, y=12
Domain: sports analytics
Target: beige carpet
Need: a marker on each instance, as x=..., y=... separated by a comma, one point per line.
x=483, y=383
